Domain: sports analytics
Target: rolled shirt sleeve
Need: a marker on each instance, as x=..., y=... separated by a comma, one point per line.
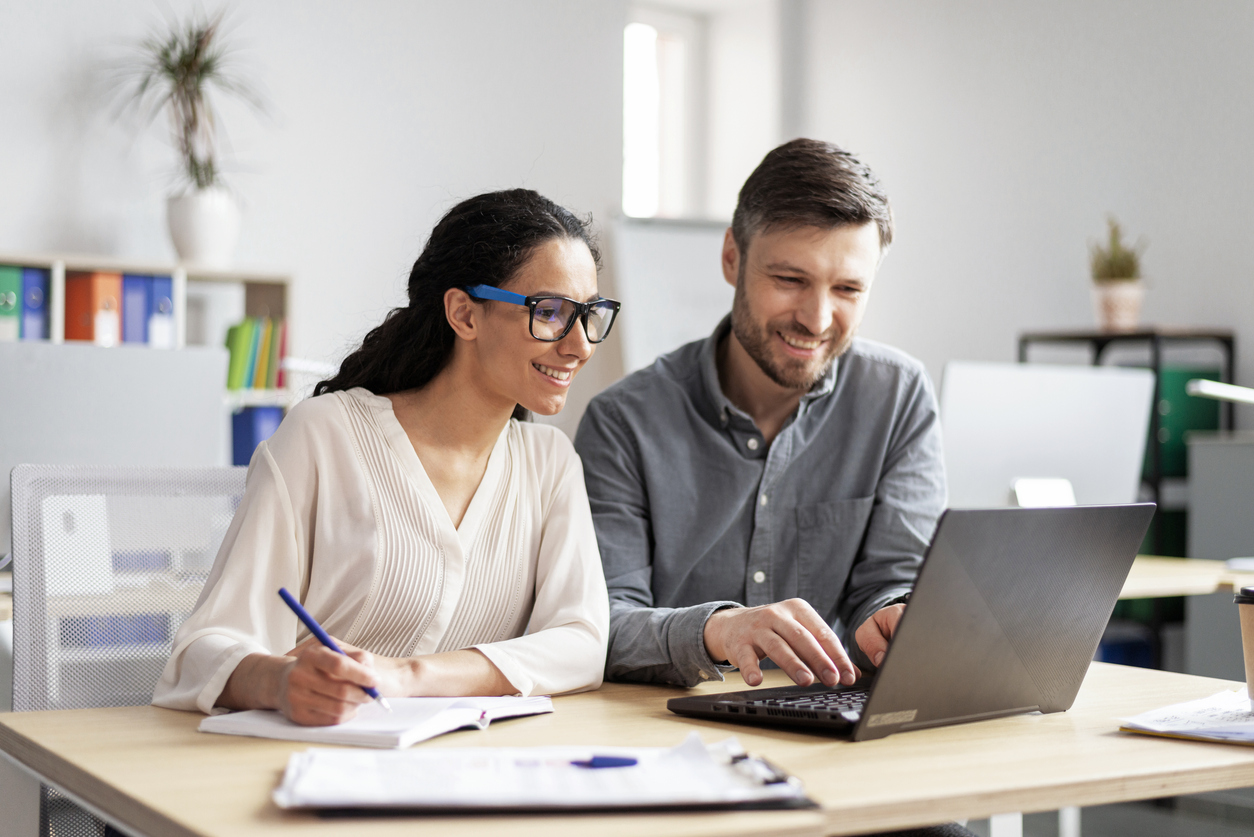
x=563, y=649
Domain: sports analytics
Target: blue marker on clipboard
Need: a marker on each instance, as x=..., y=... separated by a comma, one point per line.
x=325, y=639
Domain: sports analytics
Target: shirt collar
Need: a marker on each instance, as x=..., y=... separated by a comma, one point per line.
x=723, y=408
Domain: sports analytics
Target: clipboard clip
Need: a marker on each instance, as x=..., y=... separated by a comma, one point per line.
x=758, y=769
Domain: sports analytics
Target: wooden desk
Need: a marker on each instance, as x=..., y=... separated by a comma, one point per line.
x=1154, y=577
x=150, y=771
x=6, y=599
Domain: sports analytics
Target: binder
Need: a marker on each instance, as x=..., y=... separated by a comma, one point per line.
x=93, y=307
x=161, y=313
x=36, y=285
x=10, y=303
x=250, y=427
x=136, y=291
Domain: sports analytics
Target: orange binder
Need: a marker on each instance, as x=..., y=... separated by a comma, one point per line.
x=93, y=309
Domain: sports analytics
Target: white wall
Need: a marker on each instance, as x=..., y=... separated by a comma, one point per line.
x=385, y=113
x=744, y=94
x=1005, y=132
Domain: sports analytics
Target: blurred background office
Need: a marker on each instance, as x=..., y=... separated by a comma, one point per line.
x=1004, y=132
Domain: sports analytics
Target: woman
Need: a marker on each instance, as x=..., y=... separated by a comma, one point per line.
x=447, y=544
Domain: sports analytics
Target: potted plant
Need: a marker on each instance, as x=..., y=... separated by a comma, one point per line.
x=1117, y=288
x=175, y=75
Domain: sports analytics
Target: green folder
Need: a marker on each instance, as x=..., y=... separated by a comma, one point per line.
x=10, y=303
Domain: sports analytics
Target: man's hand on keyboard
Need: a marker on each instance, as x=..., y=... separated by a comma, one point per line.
x=873, y=635
x=791, y=633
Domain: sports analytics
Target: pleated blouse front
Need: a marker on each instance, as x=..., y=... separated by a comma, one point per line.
x=339, y=508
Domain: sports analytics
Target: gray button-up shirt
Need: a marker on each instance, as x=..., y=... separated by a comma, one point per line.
x=694, y=512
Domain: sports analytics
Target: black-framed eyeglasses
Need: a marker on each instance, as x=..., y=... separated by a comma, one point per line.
x=553, y=316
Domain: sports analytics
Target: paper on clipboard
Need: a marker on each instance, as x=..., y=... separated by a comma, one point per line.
x=489, y=779
x=1225, y=717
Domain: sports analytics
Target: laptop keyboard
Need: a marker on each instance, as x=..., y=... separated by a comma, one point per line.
x=842, y=701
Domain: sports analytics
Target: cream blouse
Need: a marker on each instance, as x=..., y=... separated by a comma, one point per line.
x=339, y=510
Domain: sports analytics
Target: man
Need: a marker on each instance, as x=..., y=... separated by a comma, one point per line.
x=768, y=492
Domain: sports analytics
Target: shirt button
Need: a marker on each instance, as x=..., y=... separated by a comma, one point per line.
x=753, y=444
x=762, y=500
x=759, y=576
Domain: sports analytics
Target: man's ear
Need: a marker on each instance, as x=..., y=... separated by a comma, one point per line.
x=731, y=258
x=462, y=313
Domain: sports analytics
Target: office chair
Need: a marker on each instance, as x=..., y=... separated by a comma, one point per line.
x=107, y=563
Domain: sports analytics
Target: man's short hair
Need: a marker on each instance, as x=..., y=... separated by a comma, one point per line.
x=810, y=183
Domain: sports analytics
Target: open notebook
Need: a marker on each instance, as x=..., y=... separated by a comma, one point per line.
x=410, y=721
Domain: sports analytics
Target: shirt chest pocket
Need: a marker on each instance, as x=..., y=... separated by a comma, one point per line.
x=828, y=538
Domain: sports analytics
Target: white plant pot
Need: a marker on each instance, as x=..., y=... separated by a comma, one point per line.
x=204, y=225
x=1118, y=304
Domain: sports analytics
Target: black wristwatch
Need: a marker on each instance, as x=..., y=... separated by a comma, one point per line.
x=902, y=599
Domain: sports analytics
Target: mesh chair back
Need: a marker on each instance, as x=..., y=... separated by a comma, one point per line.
x=107, y=563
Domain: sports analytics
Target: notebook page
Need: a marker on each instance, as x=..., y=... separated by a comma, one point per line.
x=411, y=720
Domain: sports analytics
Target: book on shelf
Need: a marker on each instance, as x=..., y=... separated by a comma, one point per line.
x=257, y=346
x=263, y=353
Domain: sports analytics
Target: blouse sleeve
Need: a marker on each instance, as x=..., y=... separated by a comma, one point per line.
x=563, y=649
x=238, y=612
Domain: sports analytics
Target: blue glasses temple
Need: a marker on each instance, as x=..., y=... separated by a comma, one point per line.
x=489, y=292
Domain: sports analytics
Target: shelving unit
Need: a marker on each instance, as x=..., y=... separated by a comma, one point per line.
x=1156, y=620
x=265, y=295
x=1158, y=340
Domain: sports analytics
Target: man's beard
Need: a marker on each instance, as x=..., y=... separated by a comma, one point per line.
x=790, y=373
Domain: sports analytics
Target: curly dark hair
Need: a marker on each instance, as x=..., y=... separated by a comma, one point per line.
x=483, y=240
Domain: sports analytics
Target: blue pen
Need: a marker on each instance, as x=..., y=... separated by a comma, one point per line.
x=325, y=639
x=606, y=761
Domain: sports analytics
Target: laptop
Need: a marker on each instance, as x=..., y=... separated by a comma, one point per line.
x=1006, y=614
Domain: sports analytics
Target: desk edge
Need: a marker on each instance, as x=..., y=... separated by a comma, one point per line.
x=96, y=795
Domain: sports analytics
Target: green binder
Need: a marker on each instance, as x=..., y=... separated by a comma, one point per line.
x=10, y=303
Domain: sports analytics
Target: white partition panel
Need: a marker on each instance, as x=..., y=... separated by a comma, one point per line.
x=1007, y=421
x=670, y=283
x=78, y=404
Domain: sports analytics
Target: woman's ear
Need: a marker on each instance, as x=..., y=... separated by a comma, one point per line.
x=462, y=313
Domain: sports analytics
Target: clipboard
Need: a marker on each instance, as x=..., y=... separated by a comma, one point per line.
x=536, y=780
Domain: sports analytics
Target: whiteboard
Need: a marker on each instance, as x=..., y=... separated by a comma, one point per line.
x=1006, y=421
x=667, y=276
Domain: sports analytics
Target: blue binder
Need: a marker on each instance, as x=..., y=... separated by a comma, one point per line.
x=136, y=293
x=250, y=427
x=161, y=313
x=36, y=285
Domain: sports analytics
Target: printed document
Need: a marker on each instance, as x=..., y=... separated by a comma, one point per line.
x=691, y=775
x=1224, y=716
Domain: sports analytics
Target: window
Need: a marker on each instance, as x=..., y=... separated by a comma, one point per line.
x=662, y=114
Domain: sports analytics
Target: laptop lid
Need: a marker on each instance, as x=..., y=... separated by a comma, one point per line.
x=1006, y=615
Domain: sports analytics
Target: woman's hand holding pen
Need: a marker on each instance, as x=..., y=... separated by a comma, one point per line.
x=319, y=687
x=314, y=686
